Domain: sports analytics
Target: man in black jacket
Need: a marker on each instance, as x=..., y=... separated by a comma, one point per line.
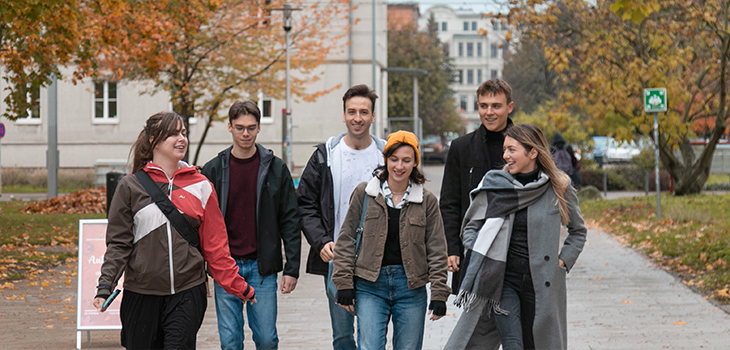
x=470, y=157
x=259, y=204
x=334, y=170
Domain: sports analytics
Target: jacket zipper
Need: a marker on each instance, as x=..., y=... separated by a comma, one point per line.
x=169, y=242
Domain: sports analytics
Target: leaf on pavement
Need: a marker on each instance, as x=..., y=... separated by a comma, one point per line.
x=679, y=323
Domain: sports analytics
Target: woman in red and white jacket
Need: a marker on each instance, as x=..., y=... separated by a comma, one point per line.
x=165, y=286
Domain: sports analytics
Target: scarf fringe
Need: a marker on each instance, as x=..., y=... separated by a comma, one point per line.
x=470, y=301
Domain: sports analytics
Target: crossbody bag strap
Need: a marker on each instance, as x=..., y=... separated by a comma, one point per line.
x=359, y=228
x=177, y=220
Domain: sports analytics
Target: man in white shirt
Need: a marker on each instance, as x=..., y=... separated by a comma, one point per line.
x=333, y=171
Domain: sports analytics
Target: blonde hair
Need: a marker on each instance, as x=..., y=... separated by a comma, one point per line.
x=531, y=137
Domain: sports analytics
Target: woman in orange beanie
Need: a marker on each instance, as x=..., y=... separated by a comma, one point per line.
x=402, y=248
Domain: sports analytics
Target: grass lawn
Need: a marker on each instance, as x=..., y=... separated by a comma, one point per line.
x=691, y=238
x=30, y=243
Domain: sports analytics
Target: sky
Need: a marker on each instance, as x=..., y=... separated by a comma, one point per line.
x=476, y=5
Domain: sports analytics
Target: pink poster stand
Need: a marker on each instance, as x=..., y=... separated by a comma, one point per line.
x=92, y=246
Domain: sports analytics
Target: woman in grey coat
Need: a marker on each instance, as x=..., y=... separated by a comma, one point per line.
x=513, y=280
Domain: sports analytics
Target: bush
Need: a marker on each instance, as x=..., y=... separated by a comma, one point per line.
x=69, y=180
x=624, y=178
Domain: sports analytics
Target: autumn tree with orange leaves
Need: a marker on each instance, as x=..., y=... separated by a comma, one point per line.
x=607, y=51
x=206, y=53
x=36, y=37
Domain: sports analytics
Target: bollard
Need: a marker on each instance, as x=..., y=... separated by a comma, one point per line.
x=646, y=182
x=112, y=180
x=605, y=185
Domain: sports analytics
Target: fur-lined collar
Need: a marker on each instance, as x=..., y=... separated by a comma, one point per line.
x=373, y=189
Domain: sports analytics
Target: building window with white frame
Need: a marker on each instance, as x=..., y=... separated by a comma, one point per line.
x=476, y=103
x=446, y=50
x=495, y=25
x=469, y=49
x=479, y=76
x=105, y=101
x=494, y=74
x=462, y=103
x=470, y=76
x=505, y=49
x=31, y=115
x=494, y=50
x=474, y=26
x=479, y=49
x=444, y=26
x=458, y=76
x=466, y=26
x=266, y=107
x=461, y=49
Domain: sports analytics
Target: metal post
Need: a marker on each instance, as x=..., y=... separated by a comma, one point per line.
x=416, y=124
x=646, y=183
x=375, y=123
x=605, y=185
x=52, y=152
x=287, y=156
x=656, y=165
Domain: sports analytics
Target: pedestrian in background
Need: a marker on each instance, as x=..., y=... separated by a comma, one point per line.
x=402, y=249
x=259, y=204
x=333, y=171
x=165, y=287
x=470, y=157
x=515, y=259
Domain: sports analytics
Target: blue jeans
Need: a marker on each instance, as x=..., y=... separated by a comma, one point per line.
x=518, y=298
x=343, y=325
x=261, y=316
x=388, y=296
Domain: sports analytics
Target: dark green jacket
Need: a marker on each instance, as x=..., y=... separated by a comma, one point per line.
x=276, y=209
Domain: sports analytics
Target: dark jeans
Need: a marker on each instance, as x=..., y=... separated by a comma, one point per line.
x=518, y=298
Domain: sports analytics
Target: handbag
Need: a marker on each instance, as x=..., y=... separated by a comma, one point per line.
x=181, y=225
x=331, y=288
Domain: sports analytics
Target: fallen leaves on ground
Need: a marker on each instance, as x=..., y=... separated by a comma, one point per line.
x=86, y=201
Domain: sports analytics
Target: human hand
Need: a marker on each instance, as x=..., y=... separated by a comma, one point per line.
x=98, y=303
x=453, y=261
x=288, y=283
x=346, y=299
x=561, y=262
x=438, y=308
x=327, y=252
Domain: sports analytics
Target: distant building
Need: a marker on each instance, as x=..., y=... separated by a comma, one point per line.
x=401, y=15
x=476, y=57
x=101, y=120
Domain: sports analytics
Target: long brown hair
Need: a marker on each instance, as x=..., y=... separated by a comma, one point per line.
x=531, y=137
x=158, y=127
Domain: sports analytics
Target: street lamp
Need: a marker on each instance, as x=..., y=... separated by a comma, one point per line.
x=286, y=122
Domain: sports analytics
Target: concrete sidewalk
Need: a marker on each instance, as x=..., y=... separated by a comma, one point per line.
x=616, y=300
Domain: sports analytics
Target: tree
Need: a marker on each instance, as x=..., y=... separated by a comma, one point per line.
x=36, y=37
x=206, y=53
x=612, y=50
x=408, y=48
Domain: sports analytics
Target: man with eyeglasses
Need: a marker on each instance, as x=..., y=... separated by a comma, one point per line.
x=258, y=201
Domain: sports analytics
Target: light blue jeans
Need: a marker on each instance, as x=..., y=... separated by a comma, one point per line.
x=343, y=325
x=261, y=316
x=389, y=296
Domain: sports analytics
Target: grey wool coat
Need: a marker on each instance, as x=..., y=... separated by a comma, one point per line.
x=477, y=331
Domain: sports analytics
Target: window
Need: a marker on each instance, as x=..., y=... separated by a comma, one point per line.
x=461, y=49
x=479, y=49
x=470, y=49
x=505, y=49
x=458, y=76
x=474, y=26
x=266, y=106
x=462, y=102
x=494, y=74
x=470, y=77
x=466, y=26
x=476, y=103
x=105, y=101
x=446, y=49
x=494, y=50
x=444, y=26
x=479, y=76
x=495, y=25
x=32, y=115
x=504, y=26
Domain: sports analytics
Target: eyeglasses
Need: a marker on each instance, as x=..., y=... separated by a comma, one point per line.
x=240, y=129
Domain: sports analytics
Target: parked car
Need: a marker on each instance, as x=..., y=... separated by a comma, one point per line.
x=608, y=150
x=434, y=148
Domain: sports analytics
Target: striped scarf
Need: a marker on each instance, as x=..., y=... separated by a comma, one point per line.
x=487, y=226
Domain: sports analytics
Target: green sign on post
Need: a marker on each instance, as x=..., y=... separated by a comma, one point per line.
x=655, y=100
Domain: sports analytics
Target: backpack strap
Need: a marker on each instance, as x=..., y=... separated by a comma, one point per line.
x=177, y=220
x=359, y=228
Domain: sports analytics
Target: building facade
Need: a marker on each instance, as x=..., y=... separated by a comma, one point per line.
x=477, y=57
x=99, y=121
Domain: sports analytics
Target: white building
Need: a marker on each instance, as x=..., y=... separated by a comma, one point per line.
x=102, y=120
x=476, y=57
